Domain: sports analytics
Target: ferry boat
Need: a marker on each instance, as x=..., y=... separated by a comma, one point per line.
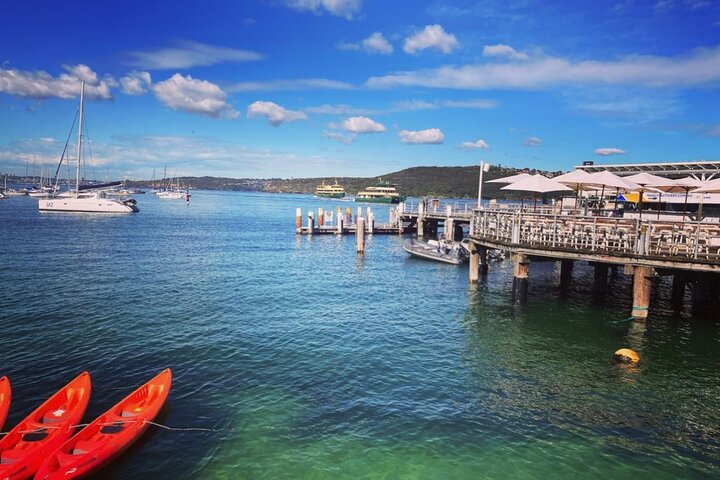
x=330, y=191
x=382, y=192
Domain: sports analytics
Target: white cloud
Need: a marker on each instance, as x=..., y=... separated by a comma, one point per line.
x=346, y=139
x=135, y=83
x=189, y=54
x=275, y=114
x=606, y=152
x=533, y=141
x=480, y=144
x=339, y=8
x=695, y=68
x=375, y=43
x=194, y=96
x=432, y=36
x=290, y=85
x=503, y=51
x=362, y=125
x=429, y=136
x=41, y=85
x=341, y=109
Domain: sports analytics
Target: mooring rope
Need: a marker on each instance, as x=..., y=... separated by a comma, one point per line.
x=105, y=424
x=622, y=321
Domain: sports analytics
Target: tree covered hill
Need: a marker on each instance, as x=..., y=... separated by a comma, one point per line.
x=456, y=182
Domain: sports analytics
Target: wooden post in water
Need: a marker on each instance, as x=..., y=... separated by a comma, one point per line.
x=678, y=290
x=338, y=211
x=400, y=210
x=370, y=220
x=321, y=217
x=311, y=222
x=566, y=268
x=448, y=223
x=474, y=263
x=360, y=235
x=521, y=270
x=483, y=267
x=359, y=212
x=421, y=220
x=601, y=275
x=298, y=220
x=641, y=290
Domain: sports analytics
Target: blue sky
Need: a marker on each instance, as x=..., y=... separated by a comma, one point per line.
x=300, y=88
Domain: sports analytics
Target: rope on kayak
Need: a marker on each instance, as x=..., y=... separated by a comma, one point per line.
x=174, y=429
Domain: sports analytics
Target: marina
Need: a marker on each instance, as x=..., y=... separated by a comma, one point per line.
x=463, y=240
x=472, y=370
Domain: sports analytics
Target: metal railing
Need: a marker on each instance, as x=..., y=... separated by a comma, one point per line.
x=602, y=235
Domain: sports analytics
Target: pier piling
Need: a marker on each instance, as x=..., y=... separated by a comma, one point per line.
x=474, y=263
x=298, y=220
x=566, y=268
x=521, y=269
x=641, y=290
x=360, y=235
x=311, y=223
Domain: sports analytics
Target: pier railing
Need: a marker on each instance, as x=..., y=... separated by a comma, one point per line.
x=599, y=235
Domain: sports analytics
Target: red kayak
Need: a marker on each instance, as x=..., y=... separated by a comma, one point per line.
x=109, y=434
x=23, y=450
x=5, y=395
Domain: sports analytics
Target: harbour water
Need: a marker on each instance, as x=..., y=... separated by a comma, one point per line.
x=306, y=361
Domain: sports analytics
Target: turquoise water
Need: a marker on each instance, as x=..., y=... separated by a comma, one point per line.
x=309, y=362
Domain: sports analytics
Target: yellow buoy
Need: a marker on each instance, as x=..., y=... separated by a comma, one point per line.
x=625, y=355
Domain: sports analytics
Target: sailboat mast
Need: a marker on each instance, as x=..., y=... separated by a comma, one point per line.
x=80, y=129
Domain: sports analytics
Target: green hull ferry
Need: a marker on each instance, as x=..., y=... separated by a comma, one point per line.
x=330, y=191
x=382, y=192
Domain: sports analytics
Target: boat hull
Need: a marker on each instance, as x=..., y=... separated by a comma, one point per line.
x=5, y=397
x=330, y=195
x=26, y=446
x=110, y=434
x=88, y=205
x=378, y=199
x=431, y=252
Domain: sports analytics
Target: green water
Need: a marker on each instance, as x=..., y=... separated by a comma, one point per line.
x=307, y=362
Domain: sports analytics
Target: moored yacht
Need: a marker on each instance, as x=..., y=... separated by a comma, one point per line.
x=84, y=199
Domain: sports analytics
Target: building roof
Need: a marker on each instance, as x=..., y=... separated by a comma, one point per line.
x=674, y=169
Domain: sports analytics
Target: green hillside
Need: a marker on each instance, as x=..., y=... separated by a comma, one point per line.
x=456, y=182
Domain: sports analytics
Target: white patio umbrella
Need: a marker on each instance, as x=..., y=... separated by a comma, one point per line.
x=645, y=179
x=681, y=185
x=536, y=184
x=511, y=178
x=605, y=178
x=577, y=177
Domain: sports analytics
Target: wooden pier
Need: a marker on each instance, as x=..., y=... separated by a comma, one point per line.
x=337, y=223
x=689, y=251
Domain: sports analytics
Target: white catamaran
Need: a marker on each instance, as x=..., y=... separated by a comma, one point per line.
x=85, y=198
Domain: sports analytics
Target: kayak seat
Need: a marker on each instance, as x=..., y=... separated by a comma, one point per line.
x=55, y=416
x=83, y=446
x=114, y=428
x=36, y=435
x=11, y=456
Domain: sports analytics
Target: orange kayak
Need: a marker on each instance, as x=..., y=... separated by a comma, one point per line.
x=109, y=434
x=24, y=448
x=5, y=395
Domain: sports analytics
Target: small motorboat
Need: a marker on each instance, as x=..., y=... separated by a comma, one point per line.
x=24, y=448
x=438, y=250
x=109, y=434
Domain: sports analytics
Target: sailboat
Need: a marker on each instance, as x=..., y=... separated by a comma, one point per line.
x=85, y=198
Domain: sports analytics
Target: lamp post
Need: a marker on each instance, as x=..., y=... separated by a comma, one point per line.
x=484, y=167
